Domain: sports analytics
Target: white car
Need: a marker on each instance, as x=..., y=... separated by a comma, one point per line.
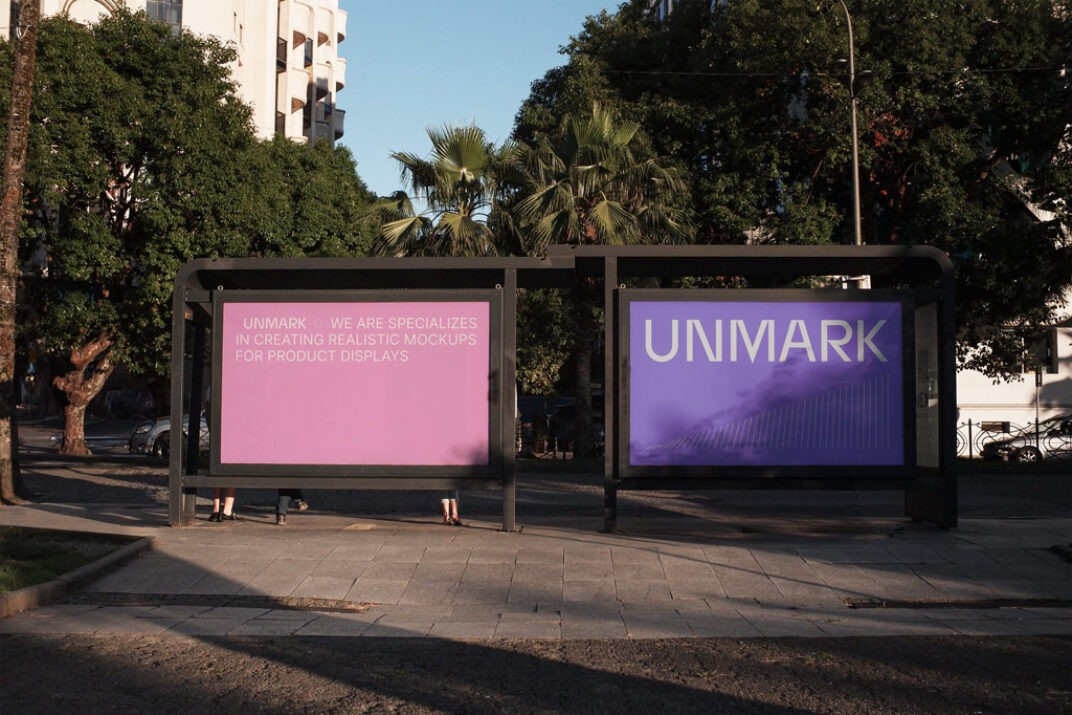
x=153, y=437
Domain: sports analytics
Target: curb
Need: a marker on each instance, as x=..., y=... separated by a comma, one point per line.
x=43, y=593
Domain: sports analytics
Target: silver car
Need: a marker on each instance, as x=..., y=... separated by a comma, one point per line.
x=153, y=437
x=1052, y=440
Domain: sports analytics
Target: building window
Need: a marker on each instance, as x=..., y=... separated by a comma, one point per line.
x=169, y=11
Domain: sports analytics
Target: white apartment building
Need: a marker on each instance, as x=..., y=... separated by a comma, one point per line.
x=288, y=68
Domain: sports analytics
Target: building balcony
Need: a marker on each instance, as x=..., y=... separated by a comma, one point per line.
x=292, y=90
x=340, y=73
x=340, y=25
x=338, y=117
x=325, y=20
x=323, y=131
x=323, y=80
x=302, y=22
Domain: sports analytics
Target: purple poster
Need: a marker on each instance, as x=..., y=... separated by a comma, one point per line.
x=355, y=383
x=755, y=383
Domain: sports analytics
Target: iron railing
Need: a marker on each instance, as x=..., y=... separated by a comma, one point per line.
x=973, y=436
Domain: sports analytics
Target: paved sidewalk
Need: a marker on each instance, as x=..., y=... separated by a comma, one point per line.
x=337, y=575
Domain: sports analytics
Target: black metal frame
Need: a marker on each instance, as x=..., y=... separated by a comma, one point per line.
x=639, y=474
x=491, y=470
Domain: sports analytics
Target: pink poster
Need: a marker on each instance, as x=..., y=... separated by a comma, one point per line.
x=355, y=383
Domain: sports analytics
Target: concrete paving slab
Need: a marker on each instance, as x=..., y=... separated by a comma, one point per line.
x=539, y=572
x=529, y=630
x=522, y=592
x=429, y=592
x=477, y=591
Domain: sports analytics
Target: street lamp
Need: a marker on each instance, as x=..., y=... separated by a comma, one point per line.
x=856, y=231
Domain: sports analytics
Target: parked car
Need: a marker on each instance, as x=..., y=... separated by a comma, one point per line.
x=1052, y=439
x=153, y=437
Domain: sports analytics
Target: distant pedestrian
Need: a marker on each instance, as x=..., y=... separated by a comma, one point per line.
x=282, y=504
x=450, y=508
x=223, y=499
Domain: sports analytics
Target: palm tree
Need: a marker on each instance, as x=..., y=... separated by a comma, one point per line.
x=460, y=183
x=586, y=184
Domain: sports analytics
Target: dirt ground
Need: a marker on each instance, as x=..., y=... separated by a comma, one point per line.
x=875, y=676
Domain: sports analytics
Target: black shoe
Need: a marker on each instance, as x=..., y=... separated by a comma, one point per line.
x=214, y=516
x=231, y=517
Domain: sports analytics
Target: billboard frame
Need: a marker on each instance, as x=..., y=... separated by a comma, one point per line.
x=628, y=470
x=491, y=297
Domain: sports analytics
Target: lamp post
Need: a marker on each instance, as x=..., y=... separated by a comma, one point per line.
x=856, y=231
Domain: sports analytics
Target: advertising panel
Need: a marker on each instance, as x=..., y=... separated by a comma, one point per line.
x=384, y=379
x=740, y=379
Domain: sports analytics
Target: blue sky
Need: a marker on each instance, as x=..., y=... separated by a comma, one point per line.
x=412, y=64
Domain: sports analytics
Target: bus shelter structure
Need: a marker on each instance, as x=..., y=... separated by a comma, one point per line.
x=919, y=279
x=226, y=310
x=208, y=291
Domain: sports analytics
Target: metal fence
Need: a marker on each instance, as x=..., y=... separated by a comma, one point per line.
x=1024, y=442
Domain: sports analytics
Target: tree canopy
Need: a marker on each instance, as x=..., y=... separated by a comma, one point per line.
x=459, y=183
x=585, y=183
x=964, y=109
x=141, y=158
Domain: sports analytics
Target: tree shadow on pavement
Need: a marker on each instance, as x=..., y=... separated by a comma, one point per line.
x=127, y=673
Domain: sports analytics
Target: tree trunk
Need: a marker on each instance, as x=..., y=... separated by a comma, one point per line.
x=92, y=367
x=18, y=129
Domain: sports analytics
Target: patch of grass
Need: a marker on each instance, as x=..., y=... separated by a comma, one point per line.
x=33, y=556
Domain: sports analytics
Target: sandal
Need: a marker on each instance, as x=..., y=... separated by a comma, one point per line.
x=455, y=521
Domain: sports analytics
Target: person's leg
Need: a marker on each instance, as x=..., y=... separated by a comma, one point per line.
x=228, y=505
x=445, y=502
x=454, y=518
x=281, y=506
x=216, y=497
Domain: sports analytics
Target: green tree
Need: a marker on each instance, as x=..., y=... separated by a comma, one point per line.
x=964, y=133
x=460, y=183
x=307, y=201
x=123, y=193
x=585, y=184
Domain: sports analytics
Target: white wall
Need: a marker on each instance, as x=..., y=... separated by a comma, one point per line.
x=981, y=399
